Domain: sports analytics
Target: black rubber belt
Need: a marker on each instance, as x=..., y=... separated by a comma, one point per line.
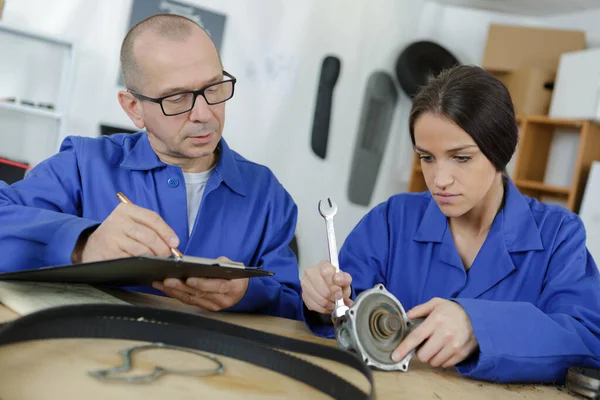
x=194, y=332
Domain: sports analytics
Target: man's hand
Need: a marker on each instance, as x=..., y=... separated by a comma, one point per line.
x=207, y=293
x=322, y=286
x=128, y=231
x=446, y=335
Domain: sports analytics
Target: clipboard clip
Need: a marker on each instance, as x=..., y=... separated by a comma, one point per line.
x=176, y=255
x=202, y=260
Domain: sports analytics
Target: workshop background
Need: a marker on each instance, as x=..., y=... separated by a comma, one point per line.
x=59, y=76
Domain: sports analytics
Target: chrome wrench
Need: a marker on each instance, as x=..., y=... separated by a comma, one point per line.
x=328, y=209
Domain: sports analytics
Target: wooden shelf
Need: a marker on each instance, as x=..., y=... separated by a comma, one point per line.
x=543, y=188
x=42, y=112
x=556, y=122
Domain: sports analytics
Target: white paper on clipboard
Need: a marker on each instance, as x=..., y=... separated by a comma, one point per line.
x=27, y=297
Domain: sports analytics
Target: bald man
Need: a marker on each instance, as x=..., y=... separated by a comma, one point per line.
x=188, y=188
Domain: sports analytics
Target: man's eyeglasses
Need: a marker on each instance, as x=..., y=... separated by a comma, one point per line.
x=182, y=102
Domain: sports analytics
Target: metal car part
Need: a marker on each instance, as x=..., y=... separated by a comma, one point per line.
x=373, y=327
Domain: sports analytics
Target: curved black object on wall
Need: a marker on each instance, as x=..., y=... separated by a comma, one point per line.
x=418, y=62
x=377, y=114
x=330, y=71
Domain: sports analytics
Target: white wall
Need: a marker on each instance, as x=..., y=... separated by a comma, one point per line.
x=586, y=21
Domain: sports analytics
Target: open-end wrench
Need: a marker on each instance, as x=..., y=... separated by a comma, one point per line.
x=328, y=209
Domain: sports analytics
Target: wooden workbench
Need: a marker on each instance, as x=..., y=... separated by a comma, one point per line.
x=57, y=369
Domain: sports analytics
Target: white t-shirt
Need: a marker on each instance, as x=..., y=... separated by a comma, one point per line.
x=195, y=182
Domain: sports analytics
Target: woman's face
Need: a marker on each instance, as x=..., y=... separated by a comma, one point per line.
x=456, y=172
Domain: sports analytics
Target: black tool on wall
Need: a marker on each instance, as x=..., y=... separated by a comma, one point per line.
x=12, y=171
x=330, y=71
x=418, y=62
x=377, y=113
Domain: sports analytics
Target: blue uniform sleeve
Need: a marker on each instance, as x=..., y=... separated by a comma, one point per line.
x=40, y=214
x=364, y=256
x=525, y=342
x=278, y=295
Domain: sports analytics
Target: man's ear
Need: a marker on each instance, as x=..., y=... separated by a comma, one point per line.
x=132, y=107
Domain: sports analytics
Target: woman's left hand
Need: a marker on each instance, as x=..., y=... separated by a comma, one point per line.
x=445, y=336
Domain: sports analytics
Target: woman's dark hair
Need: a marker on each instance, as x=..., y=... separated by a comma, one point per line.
x=478, y=103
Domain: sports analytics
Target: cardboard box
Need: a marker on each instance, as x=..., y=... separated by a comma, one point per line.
x=509, y=48
x=530, y=89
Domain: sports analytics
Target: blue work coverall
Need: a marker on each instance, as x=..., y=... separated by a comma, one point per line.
x=532, y=293
x=245, y=214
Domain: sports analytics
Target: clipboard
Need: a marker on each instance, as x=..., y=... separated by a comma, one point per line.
x=137, y=271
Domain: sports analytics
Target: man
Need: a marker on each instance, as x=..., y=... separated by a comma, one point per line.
x=188, y=188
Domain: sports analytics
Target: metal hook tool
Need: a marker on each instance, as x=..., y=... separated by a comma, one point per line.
x=116, y=373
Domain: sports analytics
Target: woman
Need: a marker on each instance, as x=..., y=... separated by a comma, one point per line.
x=506, y=285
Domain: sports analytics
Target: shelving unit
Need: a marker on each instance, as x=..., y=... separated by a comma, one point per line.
x=37, y=68
x=31, y=110
x=531, y=159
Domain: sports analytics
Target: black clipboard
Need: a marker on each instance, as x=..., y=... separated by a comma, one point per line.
x=137, y=271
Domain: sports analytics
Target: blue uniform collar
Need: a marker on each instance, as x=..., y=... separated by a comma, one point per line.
x=143, y=158
x=227, y=169
x=519, y=230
